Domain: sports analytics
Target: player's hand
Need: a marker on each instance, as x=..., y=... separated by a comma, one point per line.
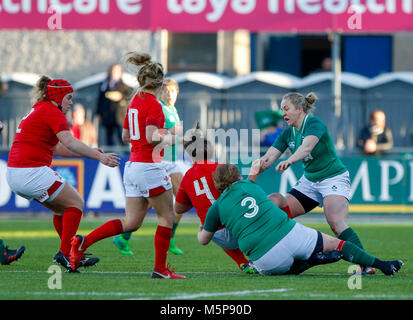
x=256, y=168
x=283, y=165
x=99, y=150
x=110, y=159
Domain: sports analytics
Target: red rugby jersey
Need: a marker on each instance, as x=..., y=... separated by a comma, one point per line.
x=197, y=188
x=33, y=145
x=143, y=110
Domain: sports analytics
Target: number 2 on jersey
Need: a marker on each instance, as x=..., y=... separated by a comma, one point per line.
x=25, y=117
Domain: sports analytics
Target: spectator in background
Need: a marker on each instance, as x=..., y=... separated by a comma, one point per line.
x=376, y=138
x=326, y=64
x=270, y=125
x=1, y=127
x=83, y=129
x=112, y=103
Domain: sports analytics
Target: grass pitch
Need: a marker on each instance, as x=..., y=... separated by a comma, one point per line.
x=211, y=274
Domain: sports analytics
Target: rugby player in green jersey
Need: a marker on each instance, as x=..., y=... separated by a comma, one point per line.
x=325, y=182
x=273, y=242
x=168, y=97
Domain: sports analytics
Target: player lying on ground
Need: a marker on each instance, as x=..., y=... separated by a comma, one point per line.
x=266, y=234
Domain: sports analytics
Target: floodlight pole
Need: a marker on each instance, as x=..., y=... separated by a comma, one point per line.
x=336, y=84
x=336, y=60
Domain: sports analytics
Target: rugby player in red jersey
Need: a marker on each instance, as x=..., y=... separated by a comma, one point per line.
x=41, y=134
x=145, y=179
x=197, y=190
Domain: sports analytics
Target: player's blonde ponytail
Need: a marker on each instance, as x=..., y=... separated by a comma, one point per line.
x=150, y=74
x=298, y=100
x=40, y=89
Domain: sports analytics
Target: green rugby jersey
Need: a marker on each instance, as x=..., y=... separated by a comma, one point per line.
x=247, y=213
x=171, y=119
x=322, y=162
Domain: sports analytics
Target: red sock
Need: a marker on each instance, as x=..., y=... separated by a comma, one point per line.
x=58, y=224
x=237, y=256
x=340, y=245
x=108, y=229
x=287, y=210
x=162, y=241
x=71, y=220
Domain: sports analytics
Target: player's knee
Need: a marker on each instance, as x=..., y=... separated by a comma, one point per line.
x=278, y=199
x=337, y=227
x=131, y=226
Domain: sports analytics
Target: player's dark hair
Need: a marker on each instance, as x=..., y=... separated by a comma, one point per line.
x=226, y=174
x=199, y=148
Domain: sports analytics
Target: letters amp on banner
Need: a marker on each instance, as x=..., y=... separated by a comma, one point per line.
x=379, y=185
x=210, y=15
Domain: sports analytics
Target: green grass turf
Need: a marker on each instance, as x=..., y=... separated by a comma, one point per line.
x=210, y=273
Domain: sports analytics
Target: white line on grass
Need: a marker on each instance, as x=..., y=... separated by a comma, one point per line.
x=147, y=296
x=195, y=272
x=229, y=293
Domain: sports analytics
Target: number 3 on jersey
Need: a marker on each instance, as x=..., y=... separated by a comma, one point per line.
x=252, y=205
x=133, y=124
x=205, y=190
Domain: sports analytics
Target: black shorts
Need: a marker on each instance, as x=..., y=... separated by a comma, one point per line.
x=307, y=203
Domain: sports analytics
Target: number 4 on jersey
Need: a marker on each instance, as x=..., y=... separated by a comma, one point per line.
x=205, y=189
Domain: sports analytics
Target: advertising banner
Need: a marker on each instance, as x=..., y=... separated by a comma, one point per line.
x=210, y=15
x=378, y=185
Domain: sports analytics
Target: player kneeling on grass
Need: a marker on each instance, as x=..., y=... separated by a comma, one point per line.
x=266, y=234
x=197, y=190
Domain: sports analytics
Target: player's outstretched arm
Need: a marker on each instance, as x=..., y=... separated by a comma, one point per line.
x=74, y=145
x=265, y=162
x=301, y=153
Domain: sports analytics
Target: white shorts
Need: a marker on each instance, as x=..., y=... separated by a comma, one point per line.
x=41, y=183
x=143, y=179
x=337, y=185
x=299, y=244
x=175, y=167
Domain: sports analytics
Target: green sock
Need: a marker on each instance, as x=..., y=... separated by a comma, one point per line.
x=2, y=248
x=354, y=254
x=174, y=229
x=350, y=235
x=126, y=235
